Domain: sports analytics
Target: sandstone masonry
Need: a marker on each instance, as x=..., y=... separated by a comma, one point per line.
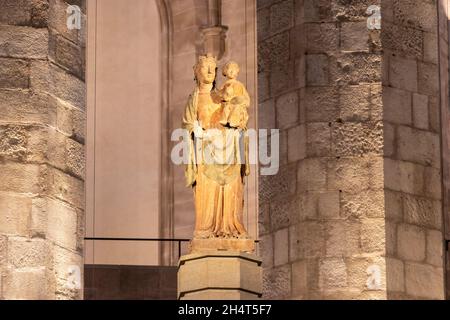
x=358, y=195
x=42, y=116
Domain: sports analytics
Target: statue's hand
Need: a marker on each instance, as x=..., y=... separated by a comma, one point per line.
x=198, y=130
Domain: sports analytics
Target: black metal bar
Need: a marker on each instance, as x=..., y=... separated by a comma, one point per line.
x=179, y=249
x=136, y=239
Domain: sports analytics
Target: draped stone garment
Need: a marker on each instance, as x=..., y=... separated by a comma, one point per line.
x=216, y=167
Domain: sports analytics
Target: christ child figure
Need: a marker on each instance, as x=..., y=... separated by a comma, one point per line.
x=235, y=98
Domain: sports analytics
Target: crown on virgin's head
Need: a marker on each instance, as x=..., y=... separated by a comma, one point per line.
x=207, y=57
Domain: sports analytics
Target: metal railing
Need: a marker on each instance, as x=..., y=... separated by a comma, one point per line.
x=179, y=241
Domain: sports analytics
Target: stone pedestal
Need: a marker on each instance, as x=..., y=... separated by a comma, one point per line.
x=219, y=275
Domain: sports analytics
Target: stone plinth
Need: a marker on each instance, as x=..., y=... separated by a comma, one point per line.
x=219, y=275
x=234, y=245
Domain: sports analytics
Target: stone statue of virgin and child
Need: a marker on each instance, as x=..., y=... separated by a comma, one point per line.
x=216, y=120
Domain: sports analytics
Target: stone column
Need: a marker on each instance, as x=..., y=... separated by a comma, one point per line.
x=42, y=114
x=358, y=196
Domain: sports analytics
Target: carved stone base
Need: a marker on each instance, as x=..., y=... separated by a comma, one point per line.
x=235, y=245
x=219, y=275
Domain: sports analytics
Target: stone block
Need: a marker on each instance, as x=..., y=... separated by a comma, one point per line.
x=299, y=278
x=360, y=270
x=367, y=204
x=391, y=238
x=355, y=68
x=49, y=78
x=296, y=145
x=266, y=114
x=25, y=106
x=296, y=243
x=75, y=158
x=432, y=183
x=281, y=16
x=221, y=270
x=333, y=273
x=282, y=78
x=418, y=146
x=421, y=15
x=287, y=107
x=57, y=20
x=3, y=251
x=38, y=221
x=14, y=73
x=357, y=139
x=263, y=86
x=404, y=176
x=263, y=219
x=397, y=106
x=281, y=242
x=411, y=242
x=277, y=283
x=430, y=47
x=317, y=10
x=64, y=187
x=68, y=274
x=389, y=139
x=39, y=13
x=328, y=205
x=420, y=111
x=13, y=142
x=273, y=50
x=405, y=41
x=322, y=104
x=424, y=281
x=435, y=248
x=428, y=79
x=70, y=120
x=284, y=182
x=349, y=175
x=318, y=136
x=354, y=36
x=23, y=42
x=26, y=284
x=68, y=55
x=395, y=275
x=14, y=214
x=321, y=37
x=62, y=224
x=393, y=205
x=26, y=253
x=284, y=211
x=373, y=235
x=435, y=120
x=403, y=73
x=354, y=102
x=21, y=178
x=317, y=73
x=15, y=12
x=422, y=211
x=263, y=23
x=339, y=232
x=312, y=175
x=266, y=250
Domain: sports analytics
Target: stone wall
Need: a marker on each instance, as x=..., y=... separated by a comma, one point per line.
x=412, y=150
x=359, y=188
x=445, y=120
x=42, y=115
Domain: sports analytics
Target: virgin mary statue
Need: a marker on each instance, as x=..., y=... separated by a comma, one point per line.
x=218, y=156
